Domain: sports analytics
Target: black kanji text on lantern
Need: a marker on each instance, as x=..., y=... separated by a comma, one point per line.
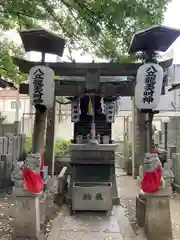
x=150, y=80
x=38, y=78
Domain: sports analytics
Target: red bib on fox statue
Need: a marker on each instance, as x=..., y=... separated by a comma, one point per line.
x=152, y=178
x=31, y=173
x=33, y=181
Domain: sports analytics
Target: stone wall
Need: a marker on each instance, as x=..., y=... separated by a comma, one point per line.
x=13, y=128
x=11, y=150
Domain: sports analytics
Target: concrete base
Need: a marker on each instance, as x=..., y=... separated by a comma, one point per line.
x=27, y=219
x=29, y=214
x=153, y=212
x=158, y=219
x=19, y=194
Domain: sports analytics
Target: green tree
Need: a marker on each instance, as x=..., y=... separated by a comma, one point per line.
x=7, y=68
x=16, y=15
x=101, y=27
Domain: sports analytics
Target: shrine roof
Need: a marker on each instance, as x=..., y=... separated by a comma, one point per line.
x=41, y=40
x=155, y=38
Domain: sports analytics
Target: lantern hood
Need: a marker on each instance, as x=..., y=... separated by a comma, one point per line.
x=155, y=38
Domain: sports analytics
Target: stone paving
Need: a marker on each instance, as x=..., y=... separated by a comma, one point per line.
x=91, y=226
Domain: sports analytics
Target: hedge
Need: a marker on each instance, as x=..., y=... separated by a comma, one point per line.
x=62, y=146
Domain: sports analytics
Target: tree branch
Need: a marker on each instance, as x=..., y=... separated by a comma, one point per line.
x=51, y=12
x=21, y=14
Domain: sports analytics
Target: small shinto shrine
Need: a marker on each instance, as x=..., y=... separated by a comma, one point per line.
x=93, y=89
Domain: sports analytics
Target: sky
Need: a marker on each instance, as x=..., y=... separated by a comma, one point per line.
x=171, y=20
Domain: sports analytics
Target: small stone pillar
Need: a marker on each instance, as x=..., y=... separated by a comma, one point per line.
x=138, y=142
x=50, y=139
x=153, y=212
x=27, y=216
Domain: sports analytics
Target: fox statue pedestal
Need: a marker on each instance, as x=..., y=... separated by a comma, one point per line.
x=27, y=216
x=27, y=206
x=153, y=213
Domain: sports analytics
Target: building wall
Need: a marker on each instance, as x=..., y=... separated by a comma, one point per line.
x=8, y=105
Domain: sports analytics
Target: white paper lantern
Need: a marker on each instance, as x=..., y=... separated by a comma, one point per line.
x=148, y=88
x=41, y=86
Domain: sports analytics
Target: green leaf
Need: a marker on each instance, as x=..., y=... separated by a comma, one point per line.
x=103, y=28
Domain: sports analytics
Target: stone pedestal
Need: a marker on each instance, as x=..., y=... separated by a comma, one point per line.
x=153, y=212
x=27, y=216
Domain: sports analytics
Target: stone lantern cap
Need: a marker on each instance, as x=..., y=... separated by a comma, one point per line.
x=41, y=40
x=155, y=38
